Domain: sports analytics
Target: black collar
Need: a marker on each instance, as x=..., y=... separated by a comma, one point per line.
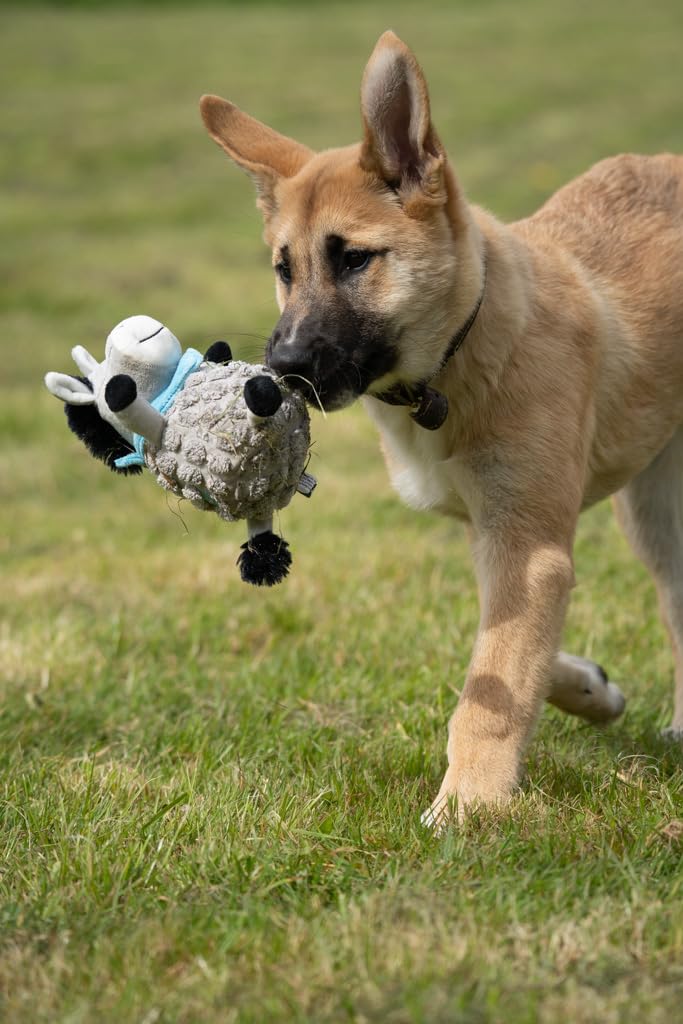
x=429, y=407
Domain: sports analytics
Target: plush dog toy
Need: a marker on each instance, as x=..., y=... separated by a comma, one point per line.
x=221, y=433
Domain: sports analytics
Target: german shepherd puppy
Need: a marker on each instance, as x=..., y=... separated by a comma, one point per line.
x=566, y=386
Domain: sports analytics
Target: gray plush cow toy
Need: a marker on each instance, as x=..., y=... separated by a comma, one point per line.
x=223, y=434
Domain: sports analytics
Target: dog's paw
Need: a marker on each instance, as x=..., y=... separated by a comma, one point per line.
x=441, y=813
x=673, y=733
x=459, y=796
x=604, y=701
x=448, y=807
x=582, y=687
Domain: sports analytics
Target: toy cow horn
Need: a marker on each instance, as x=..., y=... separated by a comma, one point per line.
x=262, y=398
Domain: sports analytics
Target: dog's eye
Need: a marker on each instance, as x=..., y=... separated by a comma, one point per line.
x=356, y=259
x=284, y=272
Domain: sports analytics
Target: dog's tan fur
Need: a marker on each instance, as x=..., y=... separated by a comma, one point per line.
x=568, y=388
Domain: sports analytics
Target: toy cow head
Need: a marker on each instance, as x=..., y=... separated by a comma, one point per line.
x=141, y=359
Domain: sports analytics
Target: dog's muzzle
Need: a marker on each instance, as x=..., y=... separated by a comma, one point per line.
x=331, y=362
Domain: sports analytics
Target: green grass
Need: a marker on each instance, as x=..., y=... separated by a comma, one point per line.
x=211, y=795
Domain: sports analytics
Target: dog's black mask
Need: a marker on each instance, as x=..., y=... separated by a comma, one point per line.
x=330, y=355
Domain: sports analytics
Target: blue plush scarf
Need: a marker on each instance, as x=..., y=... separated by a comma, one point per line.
x=189, y=362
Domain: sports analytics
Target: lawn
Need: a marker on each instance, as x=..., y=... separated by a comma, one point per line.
x=211, y=794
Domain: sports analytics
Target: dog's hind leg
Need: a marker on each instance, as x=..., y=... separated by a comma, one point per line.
x=650, y=512
x=580, y=687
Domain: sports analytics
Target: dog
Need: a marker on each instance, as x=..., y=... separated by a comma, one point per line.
x=517, y=373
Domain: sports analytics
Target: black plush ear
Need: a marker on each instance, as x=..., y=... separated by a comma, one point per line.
x=262, y=396
x=98, y=436
x=219, y=352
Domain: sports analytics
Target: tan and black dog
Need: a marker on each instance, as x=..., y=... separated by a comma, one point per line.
x=566, y=386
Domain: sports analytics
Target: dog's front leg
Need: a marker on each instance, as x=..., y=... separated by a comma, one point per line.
x=524, y=587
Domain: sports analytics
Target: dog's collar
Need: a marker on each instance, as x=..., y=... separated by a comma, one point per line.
x=429, y=408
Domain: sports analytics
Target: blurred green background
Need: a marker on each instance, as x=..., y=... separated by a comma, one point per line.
x=210, y=794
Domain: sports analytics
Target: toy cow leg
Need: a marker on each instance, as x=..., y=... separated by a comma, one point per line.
x=265, y=558
x=136, y=414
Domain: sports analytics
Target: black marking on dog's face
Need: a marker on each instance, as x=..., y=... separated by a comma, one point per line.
x=328, y=343
x=282, y=267
x=344, y=260
x=331, y=354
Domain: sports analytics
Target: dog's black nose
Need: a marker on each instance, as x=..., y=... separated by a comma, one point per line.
x=291, y=361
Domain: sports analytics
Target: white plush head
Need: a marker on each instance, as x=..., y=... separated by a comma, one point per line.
x=145, y=340
x=140, y=347
x=144, y=349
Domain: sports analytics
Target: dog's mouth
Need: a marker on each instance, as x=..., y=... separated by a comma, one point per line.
x=334, y=390
x=331, y=377
x=328, y=395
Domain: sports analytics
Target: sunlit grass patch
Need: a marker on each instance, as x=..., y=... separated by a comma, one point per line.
x=210, y=795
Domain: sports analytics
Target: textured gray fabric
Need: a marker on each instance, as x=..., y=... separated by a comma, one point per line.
x=212, y=454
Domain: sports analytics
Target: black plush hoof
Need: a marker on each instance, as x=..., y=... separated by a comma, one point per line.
x=120, y=392
x=219, y=352
x=265, y=560
x=262, y=396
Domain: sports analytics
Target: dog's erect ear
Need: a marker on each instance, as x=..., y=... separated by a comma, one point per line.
x=400, y=144
x=263, y=153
